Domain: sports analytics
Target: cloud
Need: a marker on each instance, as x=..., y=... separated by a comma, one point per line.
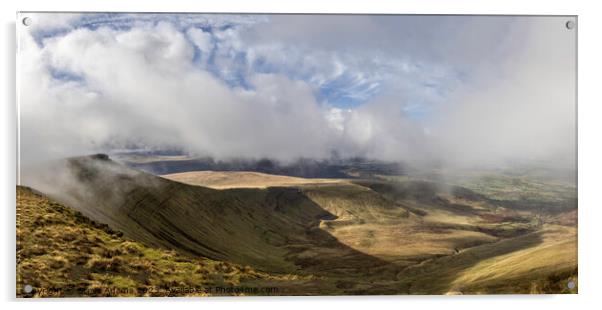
x=461, y=90
x=524, y=109
x=140, y=88
x=202, y=40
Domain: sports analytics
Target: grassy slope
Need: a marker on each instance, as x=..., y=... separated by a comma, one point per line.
x=540, y=262
x=544, y=268
x=67, y=254
x=236, y=225
x=380, y=227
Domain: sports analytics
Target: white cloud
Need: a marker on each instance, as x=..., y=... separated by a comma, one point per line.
x=202, y=40
x=497, y=88
x=146, y=91
x=336, y=118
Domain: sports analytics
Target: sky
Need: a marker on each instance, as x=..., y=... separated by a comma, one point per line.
x=459, y=90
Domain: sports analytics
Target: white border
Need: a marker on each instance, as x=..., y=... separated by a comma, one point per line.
x=589, y=143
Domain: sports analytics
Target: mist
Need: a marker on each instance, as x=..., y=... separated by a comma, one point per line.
x=455, y=90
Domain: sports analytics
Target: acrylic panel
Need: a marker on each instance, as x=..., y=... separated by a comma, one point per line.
x=212, y=154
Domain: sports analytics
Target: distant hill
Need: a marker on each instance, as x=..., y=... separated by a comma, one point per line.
x=305, y=168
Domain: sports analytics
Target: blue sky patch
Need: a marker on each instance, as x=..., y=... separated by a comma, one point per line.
x=65, y=76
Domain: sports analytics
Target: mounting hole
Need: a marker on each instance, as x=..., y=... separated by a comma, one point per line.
x=27, y=289
x=570, y=24
x=26, y=21
x=570, y=285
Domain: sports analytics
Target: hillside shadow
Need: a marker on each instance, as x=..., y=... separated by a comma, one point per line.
x=314, y=250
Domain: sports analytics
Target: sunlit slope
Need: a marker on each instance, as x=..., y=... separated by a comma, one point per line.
x=369, y=222
x=539, y=262
x=546, y=267
x=241, y=179
x=60, y=252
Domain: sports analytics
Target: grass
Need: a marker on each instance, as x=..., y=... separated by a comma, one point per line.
x=545, y=268
x=539, y=262
x=60, y=253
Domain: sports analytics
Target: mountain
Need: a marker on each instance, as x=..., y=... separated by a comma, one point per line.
x=61, y=252
x=358, y=236
x=267, y=228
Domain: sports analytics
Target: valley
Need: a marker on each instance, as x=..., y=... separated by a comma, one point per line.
x=360, y=233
